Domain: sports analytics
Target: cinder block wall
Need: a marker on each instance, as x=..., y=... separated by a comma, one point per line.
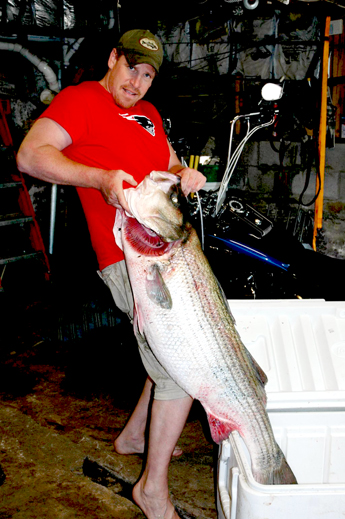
x=260, y=163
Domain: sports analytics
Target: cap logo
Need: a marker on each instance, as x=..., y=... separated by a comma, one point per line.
x=148, y=44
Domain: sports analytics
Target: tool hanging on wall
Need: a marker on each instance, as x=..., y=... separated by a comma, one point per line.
x=318, y=212
x=194, y=161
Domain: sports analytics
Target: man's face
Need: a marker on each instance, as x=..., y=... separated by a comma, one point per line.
x=126, y=83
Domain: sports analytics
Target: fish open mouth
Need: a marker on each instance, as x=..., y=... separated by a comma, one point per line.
x=145, y=241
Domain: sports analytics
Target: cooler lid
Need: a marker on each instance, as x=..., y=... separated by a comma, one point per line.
x=300, y=344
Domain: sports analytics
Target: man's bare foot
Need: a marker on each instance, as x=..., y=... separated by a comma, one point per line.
x=129, y=445
x=177, y=452
x=153, y=507
x=136, y=446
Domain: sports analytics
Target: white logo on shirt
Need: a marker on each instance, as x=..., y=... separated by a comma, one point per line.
x=144, y=121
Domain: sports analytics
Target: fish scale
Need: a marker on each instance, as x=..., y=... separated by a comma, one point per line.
x=189, y=327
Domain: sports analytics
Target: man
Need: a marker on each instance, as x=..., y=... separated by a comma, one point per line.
x=102, y=137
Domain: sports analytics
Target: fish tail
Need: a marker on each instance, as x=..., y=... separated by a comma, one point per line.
x=284, y=475
x=280, y=474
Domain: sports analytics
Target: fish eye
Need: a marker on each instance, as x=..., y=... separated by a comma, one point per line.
x=174, y=198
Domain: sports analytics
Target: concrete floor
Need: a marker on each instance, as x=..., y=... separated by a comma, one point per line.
x=65, y=394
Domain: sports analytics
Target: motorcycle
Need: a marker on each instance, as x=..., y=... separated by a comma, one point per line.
x=251, y=255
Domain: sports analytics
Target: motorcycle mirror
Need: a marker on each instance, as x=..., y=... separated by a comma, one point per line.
x=271, y=92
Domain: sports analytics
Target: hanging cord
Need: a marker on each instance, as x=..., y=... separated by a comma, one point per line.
x=200, y=212
x=310, y=153
x=307, y=143
x=201, y=220
x=232, y=160
x=310, y=161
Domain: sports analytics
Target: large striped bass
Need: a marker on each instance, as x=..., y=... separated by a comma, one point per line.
x=182, y=311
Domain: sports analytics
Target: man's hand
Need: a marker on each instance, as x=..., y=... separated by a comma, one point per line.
x=191, y=180
x=111, y=187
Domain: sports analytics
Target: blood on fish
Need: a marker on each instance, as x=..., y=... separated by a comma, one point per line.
x=220, y=430
x=145, y=241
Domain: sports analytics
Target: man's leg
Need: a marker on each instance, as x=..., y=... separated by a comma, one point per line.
x=131, y=440
x=151, y=493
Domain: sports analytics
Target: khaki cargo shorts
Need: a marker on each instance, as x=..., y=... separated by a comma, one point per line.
x=116, y=278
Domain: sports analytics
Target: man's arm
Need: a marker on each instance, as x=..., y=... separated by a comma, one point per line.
x=191, y=179
x=40, y=155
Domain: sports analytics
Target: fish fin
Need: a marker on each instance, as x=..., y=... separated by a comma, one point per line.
x=226, y=302
x=156, y=289
x=220, y=430
x=284, y=475
x=280, y=475
x=138, y=323
x=259, y=372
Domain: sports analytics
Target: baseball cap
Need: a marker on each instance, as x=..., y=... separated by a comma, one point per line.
x=141, y=46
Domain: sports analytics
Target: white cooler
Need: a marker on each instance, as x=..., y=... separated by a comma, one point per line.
x=300, y=345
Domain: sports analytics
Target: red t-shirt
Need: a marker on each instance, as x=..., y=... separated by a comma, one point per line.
x=108, y=137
